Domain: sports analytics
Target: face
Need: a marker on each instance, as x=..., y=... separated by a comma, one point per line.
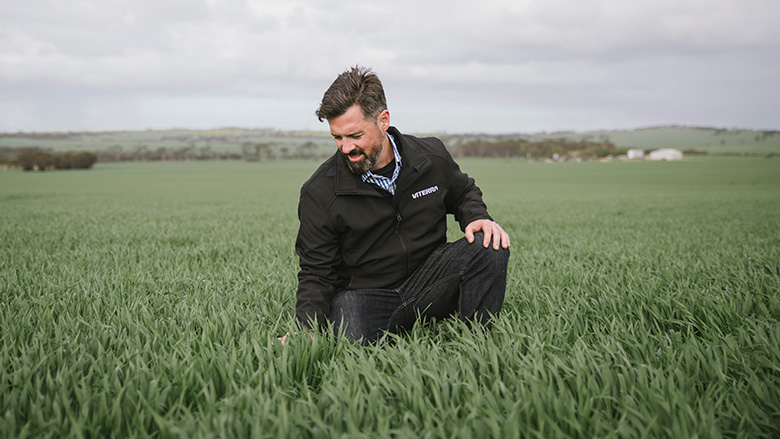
x=359, y=140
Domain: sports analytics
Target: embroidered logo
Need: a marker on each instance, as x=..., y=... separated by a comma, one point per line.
x=425, y=192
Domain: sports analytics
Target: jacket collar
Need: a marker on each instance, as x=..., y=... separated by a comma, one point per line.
x=415, y=162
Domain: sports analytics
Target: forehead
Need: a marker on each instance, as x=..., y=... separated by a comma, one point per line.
x=350, y=122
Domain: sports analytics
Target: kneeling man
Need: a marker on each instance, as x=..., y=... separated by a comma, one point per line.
x=372, y=240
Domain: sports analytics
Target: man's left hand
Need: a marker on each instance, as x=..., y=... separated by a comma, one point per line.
x=283, y=339
x=491, y=230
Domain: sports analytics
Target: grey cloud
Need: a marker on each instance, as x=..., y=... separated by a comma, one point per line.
x=629, y=61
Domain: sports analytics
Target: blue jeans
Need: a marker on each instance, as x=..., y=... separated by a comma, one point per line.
x=458, y=278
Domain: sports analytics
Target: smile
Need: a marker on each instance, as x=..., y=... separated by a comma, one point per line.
x=354, y=155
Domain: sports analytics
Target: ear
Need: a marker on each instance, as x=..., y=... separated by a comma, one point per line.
x=383, y=120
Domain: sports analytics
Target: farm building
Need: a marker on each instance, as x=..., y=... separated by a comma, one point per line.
x=634, y=154
x=666, y=154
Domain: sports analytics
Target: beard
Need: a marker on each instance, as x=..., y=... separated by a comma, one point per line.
x=365, y=164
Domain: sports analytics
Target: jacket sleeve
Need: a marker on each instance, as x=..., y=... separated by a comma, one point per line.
x=318, y=251
x=464, y=198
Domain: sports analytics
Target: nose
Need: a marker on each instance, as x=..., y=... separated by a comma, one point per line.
x=345, y=146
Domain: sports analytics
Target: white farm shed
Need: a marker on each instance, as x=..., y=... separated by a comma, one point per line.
x=634, y=154
x=666, y=154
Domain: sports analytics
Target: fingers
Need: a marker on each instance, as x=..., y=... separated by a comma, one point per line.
x=283, y=339
x=503, y=237
x=495, y=234
x=476, y=226
x=492, y=233
x=469, y=234
x=488, y=233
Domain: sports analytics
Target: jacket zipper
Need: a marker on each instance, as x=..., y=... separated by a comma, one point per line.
x=402, y=237
x=400, y=232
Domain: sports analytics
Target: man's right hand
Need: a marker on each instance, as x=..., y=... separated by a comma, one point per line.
x=491, y=230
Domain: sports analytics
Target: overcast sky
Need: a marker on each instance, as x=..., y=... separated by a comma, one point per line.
x=447, y=65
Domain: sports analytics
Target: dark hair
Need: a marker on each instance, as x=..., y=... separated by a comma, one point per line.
x=358, y=85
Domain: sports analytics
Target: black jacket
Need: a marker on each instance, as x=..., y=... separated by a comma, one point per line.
x=353, y=237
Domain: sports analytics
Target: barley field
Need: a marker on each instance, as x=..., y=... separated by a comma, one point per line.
x=144, y=299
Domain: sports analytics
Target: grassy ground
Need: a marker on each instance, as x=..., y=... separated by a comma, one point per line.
x=142, y=300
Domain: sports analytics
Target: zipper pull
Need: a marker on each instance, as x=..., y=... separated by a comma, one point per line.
x=398, y=216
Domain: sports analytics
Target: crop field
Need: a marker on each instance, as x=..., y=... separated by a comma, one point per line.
x=144, y=299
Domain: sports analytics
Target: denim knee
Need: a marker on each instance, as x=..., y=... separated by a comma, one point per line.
x=494, y=258
x=363, y=314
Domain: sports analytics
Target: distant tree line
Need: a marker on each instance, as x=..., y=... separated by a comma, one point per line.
x=560, y=149
x=143, y=153
x=256, y=151
x=36, y=158
x=249, y=151
x=30, y=159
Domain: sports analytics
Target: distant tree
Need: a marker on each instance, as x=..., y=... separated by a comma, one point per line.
x=246, y=148
x=141, y=152
x=85, y=160
x=205, y=152
x=537, y=150
x=261, y=149
x=63, y=161
x=74, y=160
x=34, y=159
x=188, y=152
x=307, y=149
x=162, y=153
x=116, y=152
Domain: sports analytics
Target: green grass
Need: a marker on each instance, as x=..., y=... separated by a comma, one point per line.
x=142, y=300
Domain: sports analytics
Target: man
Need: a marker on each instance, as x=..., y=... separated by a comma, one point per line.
x=372, y=238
